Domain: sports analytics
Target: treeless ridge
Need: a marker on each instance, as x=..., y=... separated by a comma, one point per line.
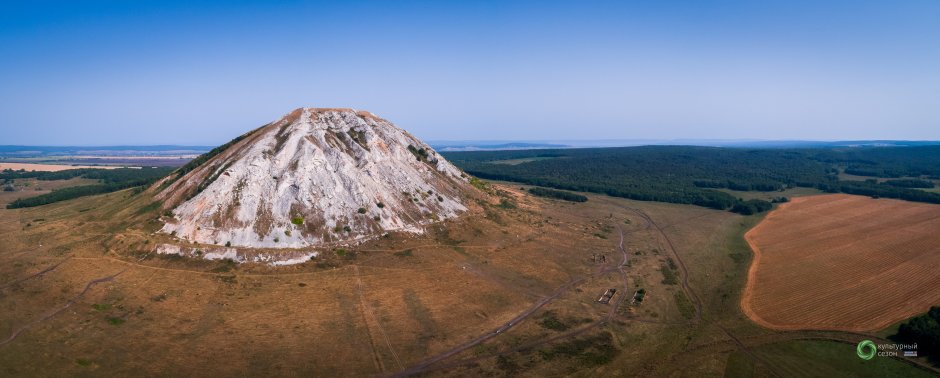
x=843, y=262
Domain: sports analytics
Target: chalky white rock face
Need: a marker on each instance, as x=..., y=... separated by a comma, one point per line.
x=315, y=177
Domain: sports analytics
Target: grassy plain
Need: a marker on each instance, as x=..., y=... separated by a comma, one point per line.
x=82, y=294
x=806, y=358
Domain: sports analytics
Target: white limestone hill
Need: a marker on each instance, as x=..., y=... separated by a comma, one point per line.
x=316, y=177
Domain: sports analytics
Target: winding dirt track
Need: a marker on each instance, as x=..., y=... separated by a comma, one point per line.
x=35, y=275
x=423, y=365
x=731, y=343
x=612, y=313
x=426, y=364
x=435, y=362
x=18, y=330
x=696, y=302
x=446, y=359
x=369, y=317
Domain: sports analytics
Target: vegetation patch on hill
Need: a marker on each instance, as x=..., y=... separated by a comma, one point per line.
x=588, y=351
x=201, y=159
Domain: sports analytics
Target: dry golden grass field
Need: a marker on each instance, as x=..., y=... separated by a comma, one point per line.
x=844, y=262
x=510, y=289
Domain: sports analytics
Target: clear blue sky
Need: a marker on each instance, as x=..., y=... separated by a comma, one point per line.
x=197, y=72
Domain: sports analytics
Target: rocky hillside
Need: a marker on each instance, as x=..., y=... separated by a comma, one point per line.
x=315, y=177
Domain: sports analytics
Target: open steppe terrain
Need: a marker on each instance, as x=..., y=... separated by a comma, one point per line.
x=843, y=262
x=512, y=287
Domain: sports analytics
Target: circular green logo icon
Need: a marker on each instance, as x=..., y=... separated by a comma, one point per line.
x=866, y=349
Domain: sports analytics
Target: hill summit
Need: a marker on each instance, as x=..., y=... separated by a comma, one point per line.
x=315, y=177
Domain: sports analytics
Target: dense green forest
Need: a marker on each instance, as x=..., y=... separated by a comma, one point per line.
x=923, y=330
x=110, y=180
x=9, y=174
x=889, y=162
x=911, y=183
x=693, y=175
x=558, y=194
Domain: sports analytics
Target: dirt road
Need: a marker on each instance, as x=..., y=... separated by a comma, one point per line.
x=424, y=365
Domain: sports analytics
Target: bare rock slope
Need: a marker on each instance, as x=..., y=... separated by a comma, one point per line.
x=315, y=177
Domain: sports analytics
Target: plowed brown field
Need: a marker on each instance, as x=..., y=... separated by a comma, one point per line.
x=843, y=262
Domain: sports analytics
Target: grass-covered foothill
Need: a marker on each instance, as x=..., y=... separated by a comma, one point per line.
x=700, y=175
x=109, y=180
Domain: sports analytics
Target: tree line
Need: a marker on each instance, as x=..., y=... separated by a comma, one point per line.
x=924, y=330
x=109, y=180
x=698, y=175
x=557, y=194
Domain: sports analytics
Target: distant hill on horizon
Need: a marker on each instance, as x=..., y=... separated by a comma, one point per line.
x=449, y=146
x=492, y=146
x=23, y=151
x=142, y=150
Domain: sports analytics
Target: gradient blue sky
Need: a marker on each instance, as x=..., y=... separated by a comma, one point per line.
x=198, y=72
